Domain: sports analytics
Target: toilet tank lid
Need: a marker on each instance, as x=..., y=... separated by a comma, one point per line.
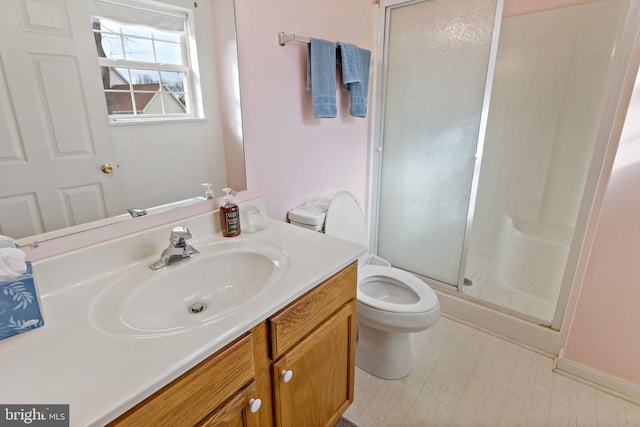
x=345, y=219
x=311, y=213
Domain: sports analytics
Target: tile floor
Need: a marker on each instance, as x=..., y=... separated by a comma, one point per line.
x=465, y=377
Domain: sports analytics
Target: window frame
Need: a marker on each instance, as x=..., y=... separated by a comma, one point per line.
x=190, y=90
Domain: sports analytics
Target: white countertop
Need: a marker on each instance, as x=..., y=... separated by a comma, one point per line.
x=100, y=375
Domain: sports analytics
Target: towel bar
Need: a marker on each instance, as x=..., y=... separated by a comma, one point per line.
x=284, y=38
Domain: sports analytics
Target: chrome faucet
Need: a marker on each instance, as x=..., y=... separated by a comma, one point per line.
x=178, y=248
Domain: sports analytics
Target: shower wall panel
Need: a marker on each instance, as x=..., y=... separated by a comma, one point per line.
x=547, y=97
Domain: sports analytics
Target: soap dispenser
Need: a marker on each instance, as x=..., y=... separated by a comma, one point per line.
x=229, y=215
x=208, y=194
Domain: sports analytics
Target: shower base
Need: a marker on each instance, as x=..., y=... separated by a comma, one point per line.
x=490, y=287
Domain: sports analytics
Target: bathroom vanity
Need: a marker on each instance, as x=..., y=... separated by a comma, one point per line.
x=278, y=351
x=308, y=349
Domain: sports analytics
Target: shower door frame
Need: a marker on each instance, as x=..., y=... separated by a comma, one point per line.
x=625, y=64
x=377, y=130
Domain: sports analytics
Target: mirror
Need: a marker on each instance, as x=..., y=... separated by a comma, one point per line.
x=64, y=166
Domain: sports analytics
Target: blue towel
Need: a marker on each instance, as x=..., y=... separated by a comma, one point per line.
x=349, y=57
x=359, y=91
x=321, y=77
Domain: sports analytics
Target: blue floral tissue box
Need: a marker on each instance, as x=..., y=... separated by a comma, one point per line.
x=19, y=309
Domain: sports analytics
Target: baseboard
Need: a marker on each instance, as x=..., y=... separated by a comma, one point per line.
x=619, y=387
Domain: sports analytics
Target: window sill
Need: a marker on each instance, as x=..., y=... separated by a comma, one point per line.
x=155, y=121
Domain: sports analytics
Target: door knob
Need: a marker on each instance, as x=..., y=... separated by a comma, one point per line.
x=286, y=375
x=106, y=168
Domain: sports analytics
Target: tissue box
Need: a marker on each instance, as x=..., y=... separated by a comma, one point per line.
x=19, y=308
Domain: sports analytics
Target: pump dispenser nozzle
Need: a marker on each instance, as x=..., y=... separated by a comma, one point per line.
x=209, y=194
x=229, y=194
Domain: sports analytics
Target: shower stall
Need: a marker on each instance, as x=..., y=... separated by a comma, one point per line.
x=488, y=133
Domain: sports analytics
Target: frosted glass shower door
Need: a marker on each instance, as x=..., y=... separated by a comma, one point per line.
x=437, y=54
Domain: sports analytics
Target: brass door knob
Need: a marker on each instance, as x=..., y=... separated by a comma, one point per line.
x=106, y=168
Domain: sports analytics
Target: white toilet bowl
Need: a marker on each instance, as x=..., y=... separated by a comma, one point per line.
x=395, y=300
x=391, y=303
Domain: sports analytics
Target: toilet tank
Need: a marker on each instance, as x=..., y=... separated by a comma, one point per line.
x=310, y=215
x=339, y=216
x=345, y=219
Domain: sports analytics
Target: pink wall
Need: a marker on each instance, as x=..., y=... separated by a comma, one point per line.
x=605, y=332
x=291, y=156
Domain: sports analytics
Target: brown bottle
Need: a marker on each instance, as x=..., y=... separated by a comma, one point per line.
x=229, y=215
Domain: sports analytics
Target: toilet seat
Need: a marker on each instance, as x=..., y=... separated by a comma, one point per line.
x=426, y=298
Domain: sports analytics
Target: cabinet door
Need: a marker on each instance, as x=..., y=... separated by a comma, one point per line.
x=321, y=369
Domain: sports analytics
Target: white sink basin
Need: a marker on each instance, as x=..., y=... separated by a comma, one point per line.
x=191, y=293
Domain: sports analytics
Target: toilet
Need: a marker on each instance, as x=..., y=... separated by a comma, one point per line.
x=391, y=303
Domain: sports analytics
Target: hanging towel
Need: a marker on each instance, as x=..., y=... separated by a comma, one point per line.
x=348, y=55
x=321, y=77
x=359, y=91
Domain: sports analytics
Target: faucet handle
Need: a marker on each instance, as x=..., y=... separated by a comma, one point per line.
x=136, y=212
x=178, y=235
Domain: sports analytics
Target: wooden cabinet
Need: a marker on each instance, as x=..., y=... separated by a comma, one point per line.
x=238, y=412
x=299, y=364
x=219, y=388
x=313, y=342
x=313, y=383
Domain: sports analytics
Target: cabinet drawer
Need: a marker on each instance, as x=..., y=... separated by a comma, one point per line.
x=235, y=412
x=197, y=393
x=305, y=314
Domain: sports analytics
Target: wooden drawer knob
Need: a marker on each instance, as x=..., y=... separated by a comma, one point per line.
x=254, y=405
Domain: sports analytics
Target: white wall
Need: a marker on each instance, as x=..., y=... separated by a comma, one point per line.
x=195, y=146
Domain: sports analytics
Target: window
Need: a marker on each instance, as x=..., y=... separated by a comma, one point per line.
x=144, y=60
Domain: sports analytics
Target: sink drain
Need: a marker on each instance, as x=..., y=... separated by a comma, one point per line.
x=196, y=308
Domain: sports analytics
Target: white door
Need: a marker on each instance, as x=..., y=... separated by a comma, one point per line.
x=54, y=131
